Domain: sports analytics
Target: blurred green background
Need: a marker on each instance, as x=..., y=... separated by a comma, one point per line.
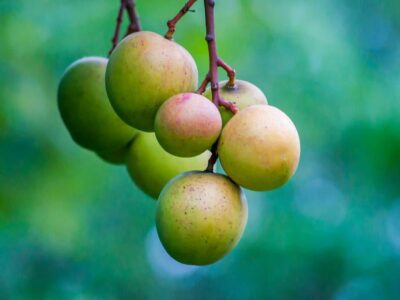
x=73, y=227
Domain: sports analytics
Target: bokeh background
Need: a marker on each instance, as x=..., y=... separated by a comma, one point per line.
x=74, y=227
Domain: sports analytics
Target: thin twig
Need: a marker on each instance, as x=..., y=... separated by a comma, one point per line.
x=229, y=71
x=172, y=23
x=115, y=38
x=204, y=85
x=213, y=158
x=212, y=76
x=215, y=61
x=134, y=24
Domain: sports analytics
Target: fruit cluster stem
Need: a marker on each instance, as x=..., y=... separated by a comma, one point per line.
x=215, y=61
x=229, y=70
x=212, y=76
x=213, y=158
x=172, y=23
x=134, y=21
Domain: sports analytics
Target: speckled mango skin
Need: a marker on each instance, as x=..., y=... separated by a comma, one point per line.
x=144, y=70
x=259, y=148
x=86, y=110
x=187, y=124
x=243, y=94
x=151, y=167
x=201, y=217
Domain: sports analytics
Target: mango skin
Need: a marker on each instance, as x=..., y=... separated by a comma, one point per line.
x=187, y=124
x=201, y=217
x=86, y=110
x=243, y=94
x=151, y=167
x=259, y=148
x=115, y=157
x=144, y=70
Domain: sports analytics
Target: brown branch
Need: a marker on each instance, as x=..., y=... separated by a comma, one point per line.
x=204, y=85
x=215, y=61
x=115, y=38
x=213, y=159
x=134, y=24
x=172, y=23
x=229, y=71
x=231, y=106
x=212, y=76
